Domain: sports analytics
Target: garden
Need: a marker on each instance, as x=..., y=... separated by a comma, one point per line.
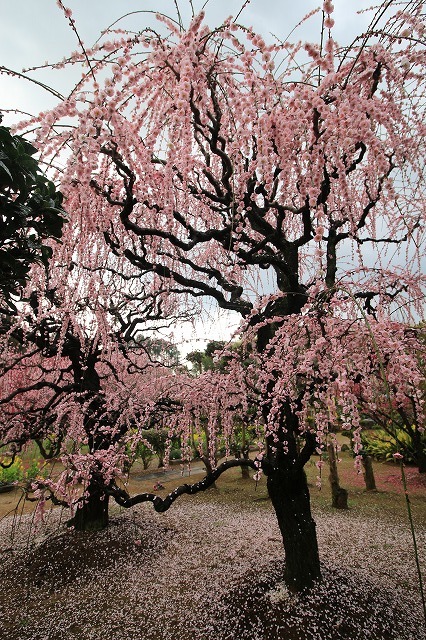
x=212, y=333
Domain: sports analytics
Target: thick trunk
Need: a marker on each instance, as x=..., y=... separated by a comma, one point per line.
x=289, y=494
x=286, y=479
x=288, y=489
x=93, y=513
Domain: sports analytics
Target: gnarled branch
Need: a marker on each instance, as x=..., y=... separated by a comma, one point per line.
x=162, y=504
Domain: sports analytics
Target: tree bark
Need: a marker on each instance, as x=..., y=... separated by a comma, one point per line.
x=339, y=496
x=421, y=461
x=289, y=493
x=368, y=473
x=245, y=473
x=420, y=451
x=93, y=513
x=245, y=455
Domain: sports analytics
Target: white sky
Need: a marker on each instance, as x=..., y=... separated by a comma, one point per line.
x=35, y=31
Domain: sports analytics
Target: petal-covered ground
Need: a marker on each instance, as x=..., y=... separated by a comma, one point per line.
x=206, y=570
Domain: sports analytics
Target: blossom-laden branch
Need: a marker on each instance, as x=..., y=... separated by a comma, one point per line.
x=214, y=182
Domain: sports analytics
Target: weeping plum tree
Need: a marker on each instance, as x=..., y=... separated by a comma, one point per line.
x=334, y=368
x=77, y=373
x=221, y=163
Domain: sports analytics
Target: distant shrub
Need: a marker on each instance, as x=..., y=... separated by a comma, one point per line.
x=14, y=473
x=154, y=443
x=144, y=453
x=176, y=453
x=382, y=446
x=36, y=469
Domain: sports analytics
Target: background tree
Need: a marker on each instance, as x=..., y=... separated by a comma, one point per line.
x=214, y=391
x=395, y=410
x=197, y=359
x=206, y=167
x=205, y=360
x=77, y=372
x=159, y=349
x=30, y=212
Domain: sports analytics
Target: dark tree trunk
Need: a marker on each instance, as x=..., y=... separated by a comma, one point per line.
x=286, y=479
x=245, y=452
x=368, y=473
x=288, y=489
x=245, y=471
x=421, y=461
x=289, y=494
x=93, y=514
x=420, y=451
x=209, y=468
x=339, y=496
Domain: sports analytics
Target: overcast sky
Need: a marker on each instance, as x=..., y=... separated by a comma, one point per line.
x=35, y=31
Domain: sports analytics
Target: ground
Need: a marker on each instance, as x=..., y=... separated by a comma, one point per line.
x=211, y=568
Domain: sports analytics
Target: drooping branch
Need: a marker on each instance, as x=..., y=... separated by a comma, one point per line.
x=162, y=504
x=16, y=74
